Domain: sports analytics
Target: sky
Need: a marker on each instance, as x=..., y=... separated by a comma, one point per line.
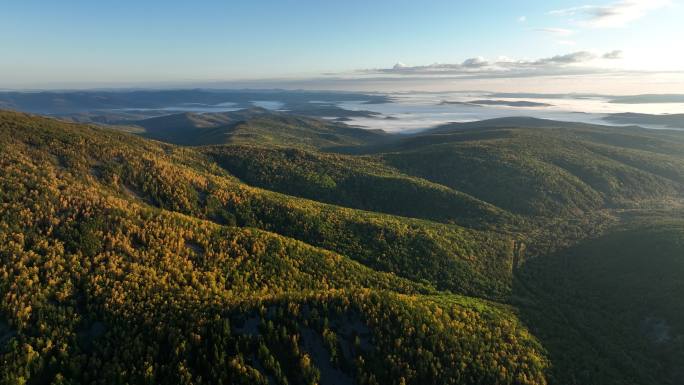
x=623, y=46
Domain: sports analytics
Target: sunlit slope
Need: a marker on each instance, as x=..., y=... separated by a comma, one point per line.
x=125, y=260
x=183, y=180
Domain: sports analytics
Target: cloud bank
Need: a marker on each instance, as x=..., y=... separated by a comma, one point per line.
x=614, y=15
x=617, y=54
x=479, y=67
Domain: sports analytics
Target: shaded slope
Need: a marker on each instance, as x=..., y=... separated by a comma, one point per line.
x=538, y=167
x=609, y=310
x=666, y=120
x=356, y=182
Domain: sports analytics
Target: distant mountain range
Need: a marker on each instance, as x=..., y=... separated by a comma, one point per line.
x=126, y=107
x=72, y=102
x=667, y=120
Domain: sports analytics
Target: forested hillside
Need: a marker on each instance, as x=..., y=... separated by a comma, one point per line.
x=357, y=182
x=276, y=249
x=609, y=309
x=540, y=168
x=254, y=125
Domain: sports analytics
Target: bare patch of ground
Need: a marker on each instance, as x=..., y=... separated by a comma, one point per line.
x=135, y=193
x=196, y=248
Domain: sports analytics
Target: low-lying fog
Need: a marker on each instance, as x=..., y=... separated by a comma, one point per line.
x=412, y=112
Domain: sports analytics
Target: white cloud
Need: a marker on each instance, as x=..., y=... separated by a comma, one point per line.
x=522, y=19
x=475, y=62
x=556, y=31
x=614, y=15
x=478, y=67
x=617, y=54
x=571, y=58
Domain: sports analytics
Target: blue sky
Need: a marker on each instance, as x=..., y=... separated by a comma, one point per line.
x=89, y=43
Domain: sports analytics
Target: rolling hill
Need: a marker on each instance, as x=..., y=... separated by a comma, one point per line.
x=357, y=182
x=544, y=168
x=110, y=238
x=97, y=101
x=254, y=125
x=266, y=248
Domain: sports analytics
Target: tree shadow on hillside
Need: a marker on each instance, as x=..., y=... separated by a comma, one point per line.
x=589, y=305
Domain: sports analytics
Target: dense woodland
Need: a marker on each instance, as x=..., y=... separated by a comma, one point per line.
x=296, y=251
